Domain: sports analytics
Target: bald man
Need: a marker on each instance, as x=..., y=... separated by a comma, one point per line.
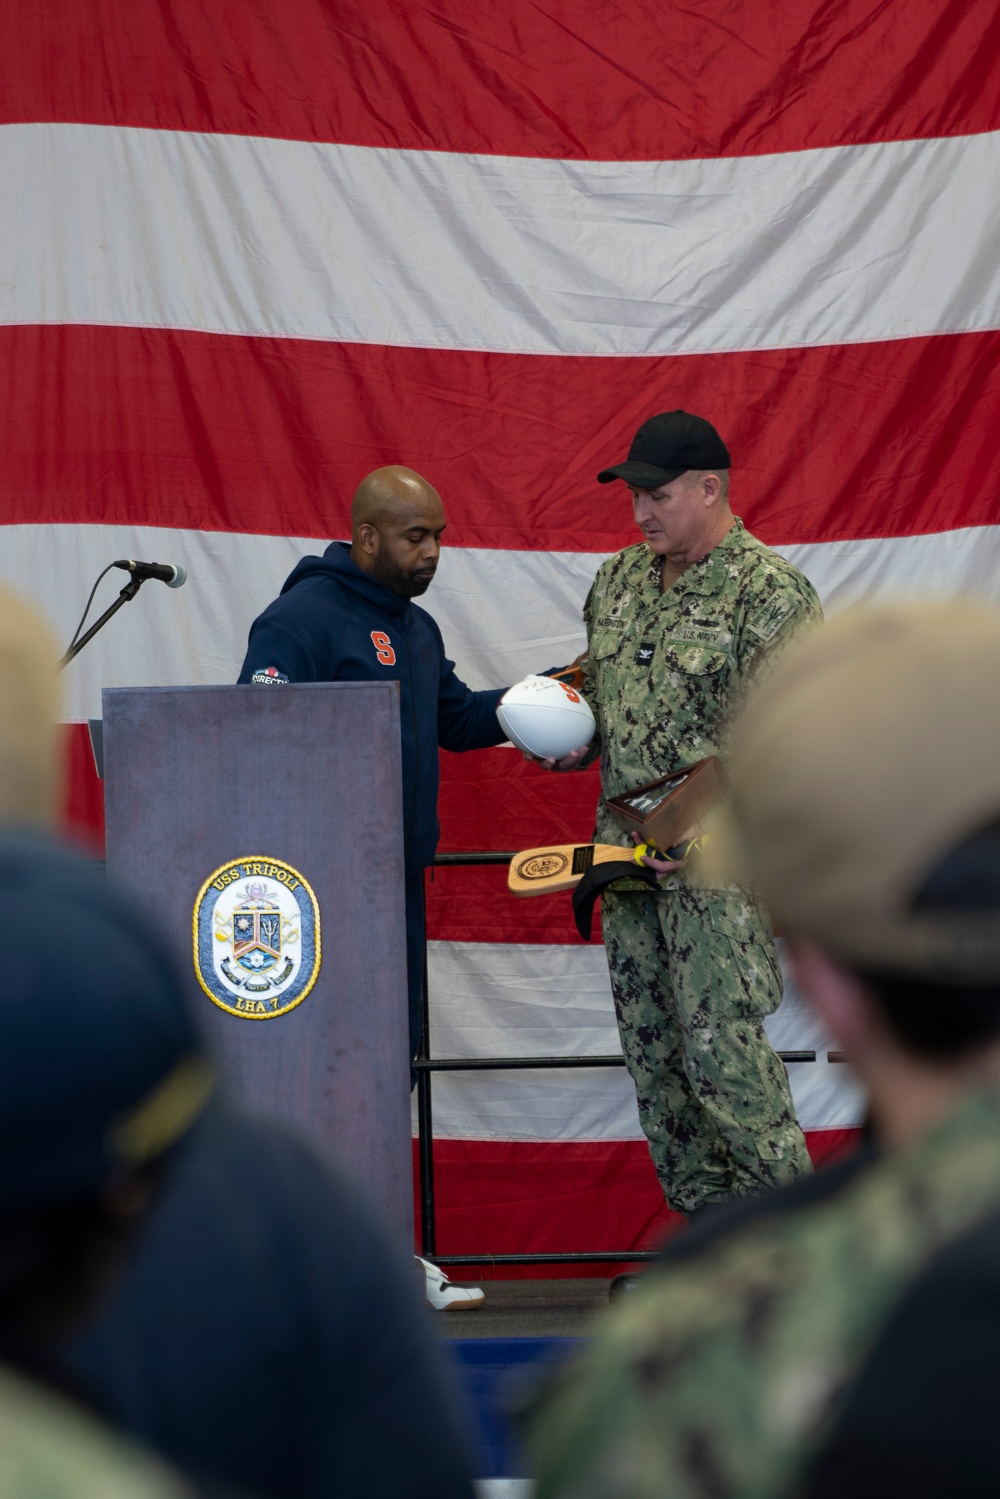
x=348, y=616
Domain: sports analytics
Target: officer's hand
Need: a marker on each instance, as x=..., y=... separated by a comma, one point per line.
x=664, y=867
x=568, y=762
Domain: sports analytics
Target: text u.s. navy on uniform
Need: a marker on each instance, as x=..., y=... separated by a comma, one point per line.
x=678, y=626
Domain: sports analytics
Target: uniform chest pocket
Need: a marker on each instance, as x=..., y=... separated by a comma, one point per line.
x=693, y=660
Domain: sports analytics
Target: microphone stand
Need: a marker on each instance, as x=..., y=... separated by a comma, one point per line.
x=127, y=594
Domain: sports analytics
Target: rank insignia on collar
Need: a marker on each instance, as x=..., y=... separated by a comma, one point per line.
x=256, y=932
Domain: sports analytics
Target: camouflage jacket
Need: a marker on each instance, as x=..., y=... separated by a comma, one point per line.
x=665, y=672
x=722, y=1376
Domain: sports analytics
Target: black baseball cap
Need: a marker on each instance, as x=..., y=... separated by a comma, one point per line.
x=667, y=446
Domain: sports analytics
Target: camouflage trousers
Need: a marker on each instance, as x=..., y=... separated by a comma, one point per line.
x=693, y=974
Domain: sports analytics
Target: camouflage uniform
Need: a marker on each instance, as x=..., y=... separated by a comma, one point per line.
x=693, y=972
x=723, y=1376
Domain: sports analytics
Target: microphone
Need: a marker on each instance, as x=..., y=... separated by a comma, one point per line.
x=164, y=572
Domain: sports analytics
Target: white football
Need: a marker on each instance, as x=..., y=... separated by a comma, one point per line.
x=545, y=718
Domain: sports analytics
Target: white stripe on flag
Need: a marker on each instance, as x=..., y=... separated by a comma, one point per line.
x=502, y=613
x=534, y=999
x=245, y=235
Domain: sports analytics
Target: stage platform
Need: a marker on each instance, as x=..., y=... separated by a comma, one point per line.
x=530, y=1309
x=523, y=1333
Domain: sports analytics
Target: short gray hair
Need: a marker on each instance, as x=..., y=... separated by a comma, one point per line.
x=722, y=474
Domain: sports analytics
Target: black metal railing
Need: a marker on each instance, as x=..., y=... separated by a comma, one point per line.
x=425, y=1066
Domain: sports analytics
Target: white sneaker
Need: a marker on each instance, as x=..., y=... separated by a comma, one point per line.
x=443, y=1295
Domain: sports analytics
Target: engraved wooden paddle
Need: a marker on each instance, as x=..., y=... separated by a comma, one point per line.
x=546, y=871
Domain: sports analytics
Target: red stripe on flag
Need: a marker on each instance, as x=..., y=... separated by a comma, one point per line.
x=511, y=1197
x=159, y=427
x=539, y=806
x=82, y=816
x=474, y=905
x=567, y=80
x=494, y=799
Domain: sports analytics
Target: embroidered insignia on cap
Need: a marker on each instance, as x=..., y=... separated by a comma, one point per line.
x=268, y=676
x=256, y=937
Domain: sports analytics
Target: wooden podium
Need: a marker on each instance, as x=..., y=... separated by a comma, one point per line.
x=264, y=829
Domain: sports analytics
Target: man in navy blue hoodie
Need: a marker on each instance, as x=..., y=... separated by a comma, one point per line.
x=349, y=616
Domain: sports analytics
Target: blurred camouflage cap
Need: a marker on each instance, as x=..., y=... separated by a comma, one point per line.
x=100, y=1064
x=866, y=759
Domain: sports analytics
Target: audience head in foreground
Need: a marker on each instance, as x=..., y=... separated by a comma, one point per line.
x=838, y=1335
x=866, y=810
x=204, y=1279
x=30, y=782
x=100, y=1074
x=100, y=1067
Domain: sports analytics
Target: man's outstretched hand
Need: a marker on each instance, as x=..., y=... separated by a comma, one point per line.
x=568, y=762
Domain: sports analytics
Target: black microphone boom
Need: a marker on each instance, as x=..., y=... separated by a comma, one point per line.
x=164, y=572
x=139, y=572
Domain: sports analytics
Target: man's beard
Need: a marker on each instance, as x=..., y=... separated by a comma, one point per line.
x=407, y=584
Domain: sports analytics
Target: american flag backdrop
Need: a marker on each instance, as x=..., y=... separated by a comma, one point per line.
x=250, y=250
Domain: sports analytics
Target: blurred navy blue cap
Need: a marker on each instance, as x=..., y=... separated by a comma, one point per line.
x=100, y=1063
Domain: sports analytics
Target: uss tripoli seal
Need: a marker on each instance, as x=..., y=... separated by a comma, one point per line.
x=256, y=930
